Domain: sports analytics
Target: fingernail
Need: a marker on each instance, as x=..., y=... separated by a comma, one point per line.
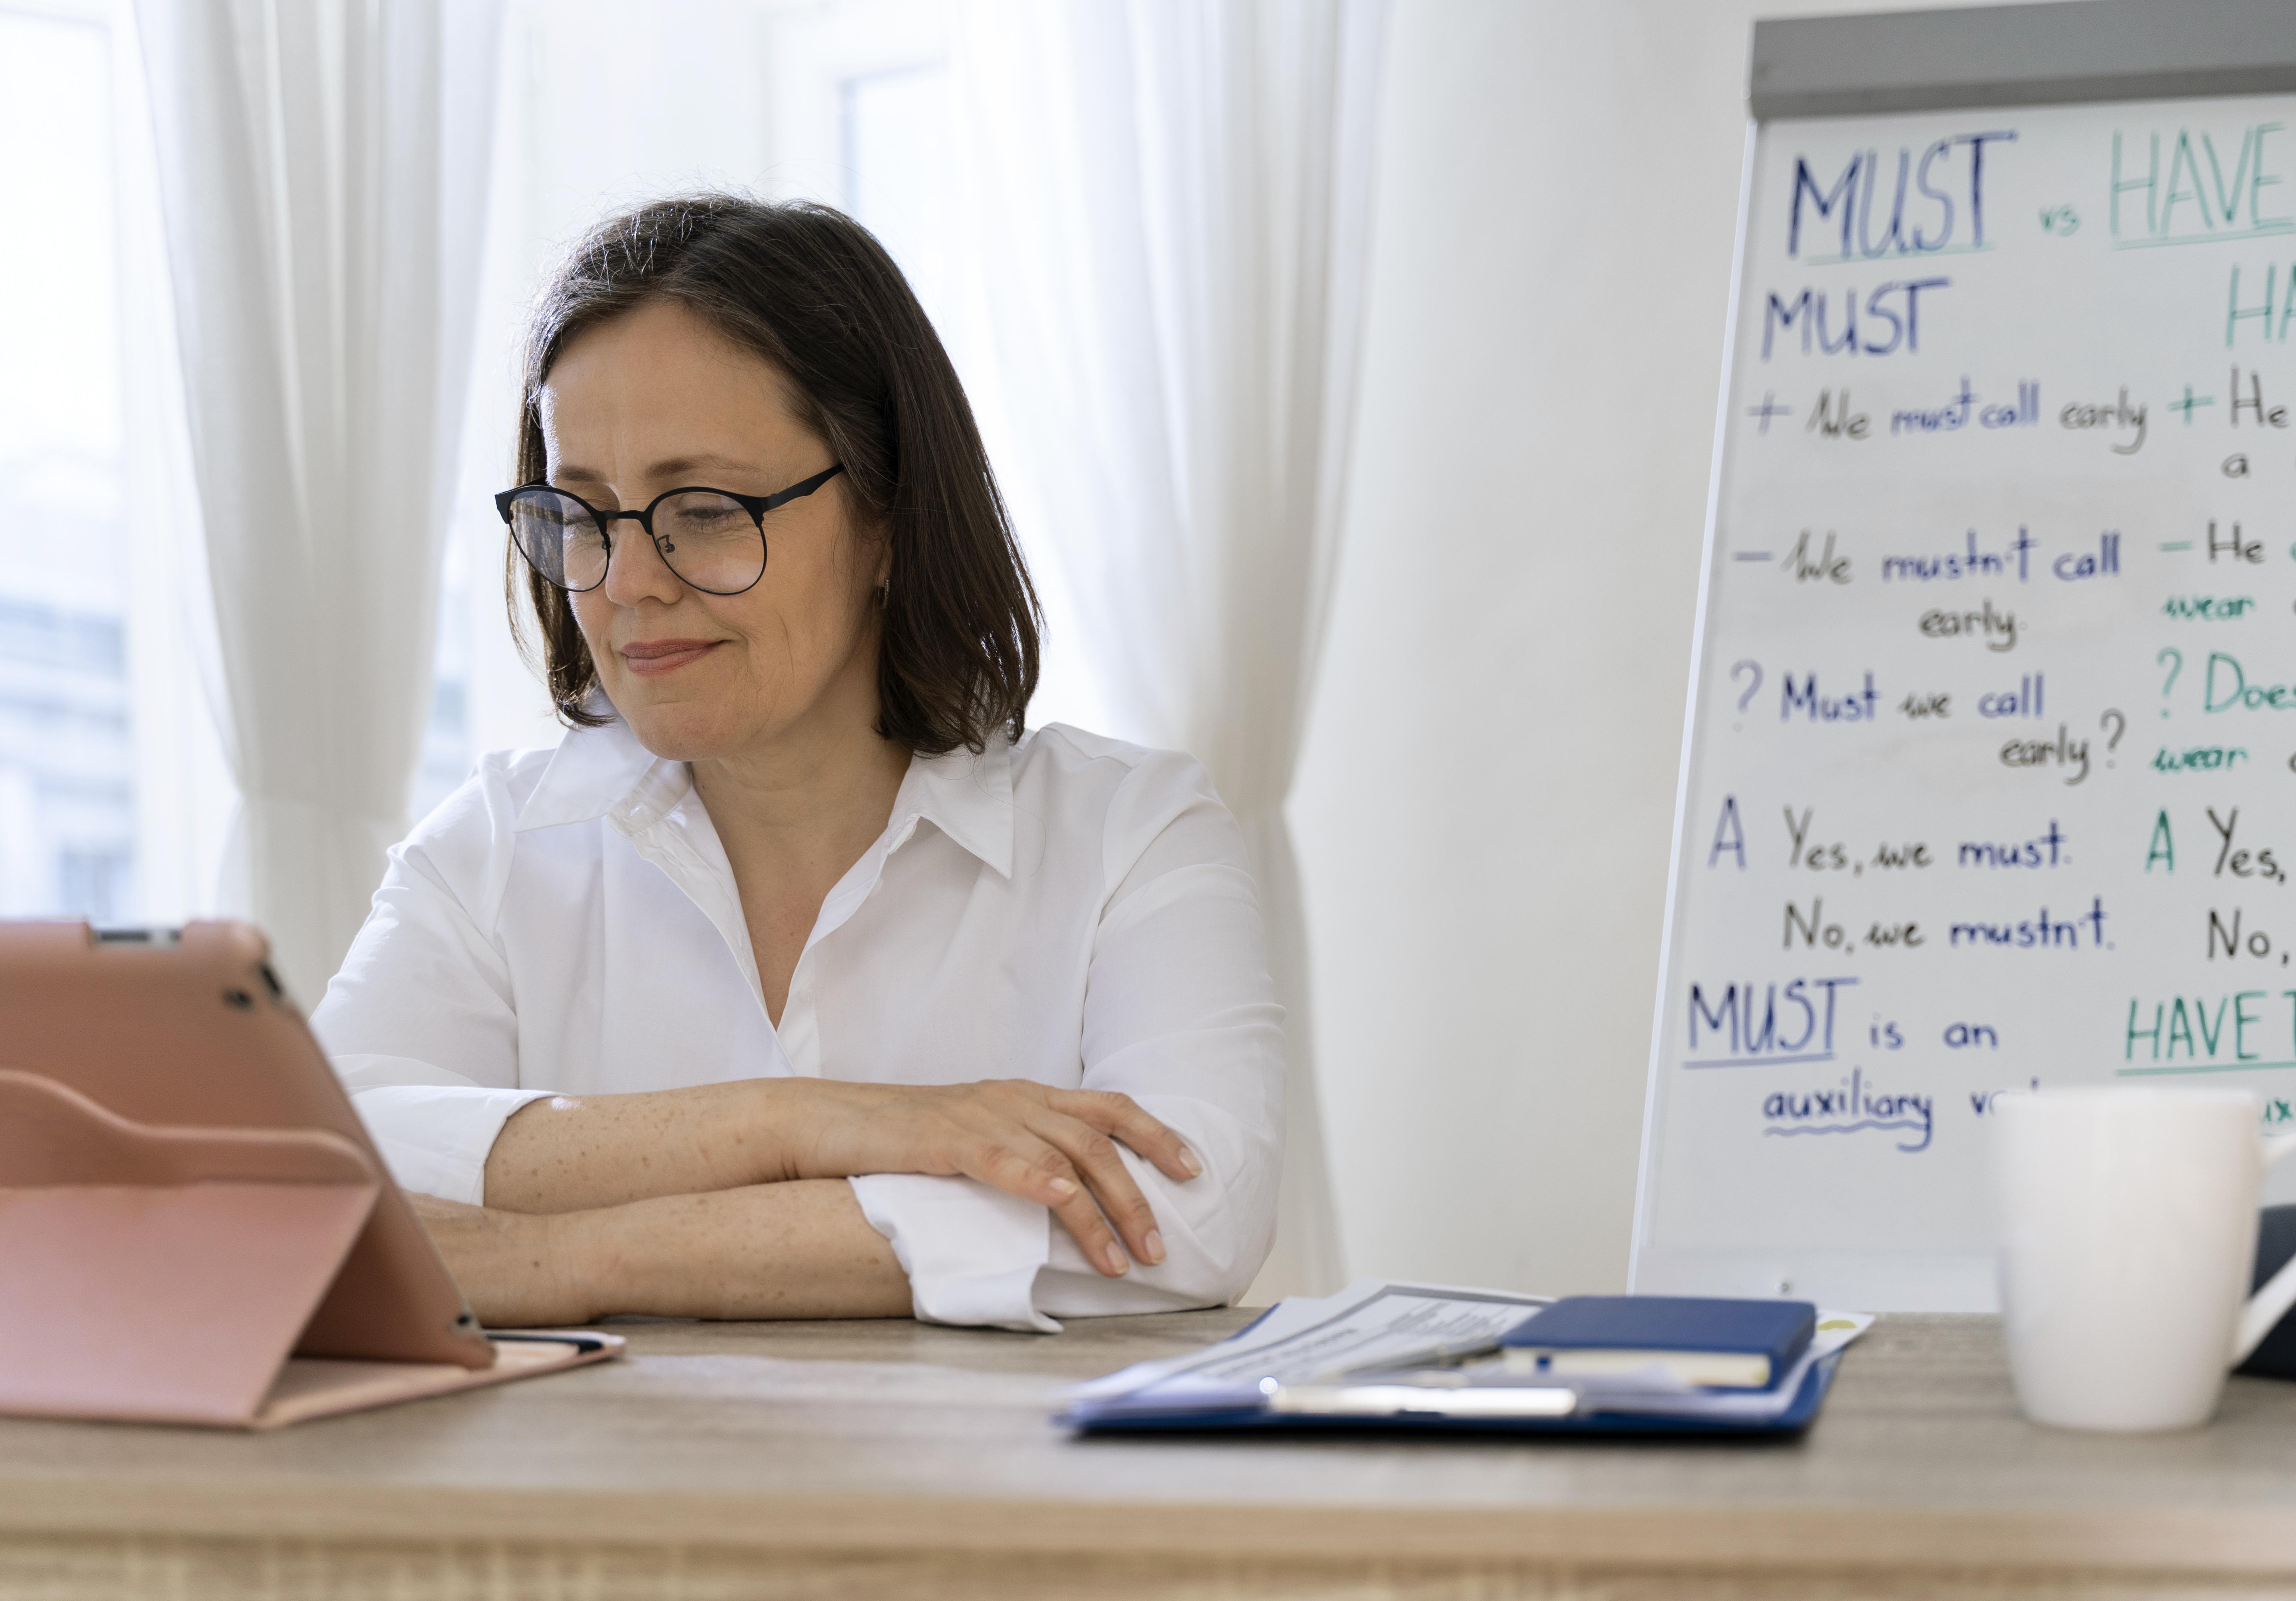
x=1155, y=1245
x=1188, y=1160
x=1115, y=1262
x=1061, y=1189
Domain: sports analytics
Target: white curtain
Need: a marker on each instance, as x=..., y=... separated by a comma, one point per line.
x=1172, y=203
x=323, y=168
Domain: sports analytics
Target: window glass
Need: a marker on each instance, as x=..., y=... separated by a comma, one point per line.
x=446, y=743
x=898, y=150
x=68, y=818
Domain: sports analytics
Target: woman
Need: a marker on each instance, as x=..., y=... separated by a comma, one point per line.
x=801, y=979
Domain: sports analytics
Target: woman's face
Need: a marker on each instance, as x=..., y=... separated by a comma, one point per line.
x=657, y=400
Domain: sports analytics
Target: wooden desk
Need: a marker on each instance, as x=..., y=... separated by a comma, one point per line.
x=836, y=1460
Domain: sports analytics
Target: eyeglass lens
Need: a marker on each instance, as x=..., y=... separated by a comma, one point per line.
x=707, y=539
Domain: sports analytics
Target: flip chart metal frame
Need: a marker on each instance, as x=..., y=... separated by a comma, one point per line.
x=2079, y=53
x=2061, y=52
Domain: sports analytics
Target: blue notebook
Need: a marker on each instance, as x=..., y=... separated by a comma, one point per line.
x=1707, y=1341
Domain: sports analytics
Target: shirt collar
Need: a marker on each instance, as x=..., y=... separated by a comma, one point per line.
x=598, y=771
x=605, y=772
x=967, y=797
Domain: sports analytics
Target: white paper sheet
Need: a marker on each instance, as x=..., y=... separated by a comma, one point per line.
x=1372, y=1322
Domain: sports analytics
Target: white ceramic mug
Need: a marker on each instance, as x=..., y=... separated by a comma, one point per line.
x=2126, y=1224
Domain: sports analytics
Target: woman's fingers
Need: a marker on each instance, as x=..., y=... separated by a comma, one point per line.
x=1101, y=1166
x=1119, y=1115
x=1021, y=1165
x=1060, y=1149
x=1101, y=1247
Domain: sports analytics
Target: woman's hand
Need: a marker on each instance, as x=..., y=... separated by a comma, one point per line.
x=1054, y=1146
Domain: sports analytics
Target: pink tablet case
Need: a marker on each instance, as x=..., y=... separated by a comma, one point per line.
x=163, y=1275
x=191, y=1030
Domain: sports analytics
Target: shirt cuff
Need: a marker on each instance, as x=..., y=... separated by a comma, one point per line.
x=972, y=1253
x=434, y=1138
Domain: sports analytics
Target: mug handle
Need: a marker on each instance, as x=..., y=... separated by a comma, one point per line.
x=2269, y=1305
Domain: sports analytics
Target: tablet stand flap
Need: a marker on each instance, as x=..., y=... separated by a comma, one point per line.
x=159, y=1274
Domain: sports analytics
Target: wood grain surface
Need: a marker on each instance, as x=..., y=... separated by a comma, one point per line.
x=852, y=1459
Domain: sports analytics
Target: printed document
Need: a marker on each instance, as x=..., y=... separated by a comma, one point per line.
x=1372, y=1324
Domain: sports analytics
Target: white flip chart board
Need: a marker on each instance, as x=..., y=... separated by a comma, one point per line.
x=1990, y=771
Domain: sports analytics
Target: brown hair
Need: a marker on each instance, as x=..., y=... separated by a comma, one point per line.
x=814, y=293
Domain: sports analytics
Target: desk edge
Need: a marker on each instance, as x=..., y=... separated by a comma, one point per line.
x=2195, y=1540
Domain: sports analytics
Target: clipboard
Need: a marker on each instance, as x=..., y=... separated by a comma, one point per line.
x=1418, y=1416
x=1391, y=1356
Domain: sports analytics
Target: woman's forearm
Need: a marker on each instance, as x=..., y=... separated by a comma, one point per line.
x=576, y=1154
x=1058, y=1148
x=794, y=1250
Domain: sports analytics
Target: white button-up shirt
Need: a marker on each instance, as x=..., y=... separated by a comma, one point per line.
x=1067, y=909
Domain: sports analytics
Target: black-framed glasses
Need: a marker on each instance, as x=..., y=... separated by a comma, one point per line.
x=713, y=540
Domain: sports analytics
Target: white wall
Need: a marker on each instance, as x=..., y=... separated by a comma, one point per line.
x=1486, y=805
